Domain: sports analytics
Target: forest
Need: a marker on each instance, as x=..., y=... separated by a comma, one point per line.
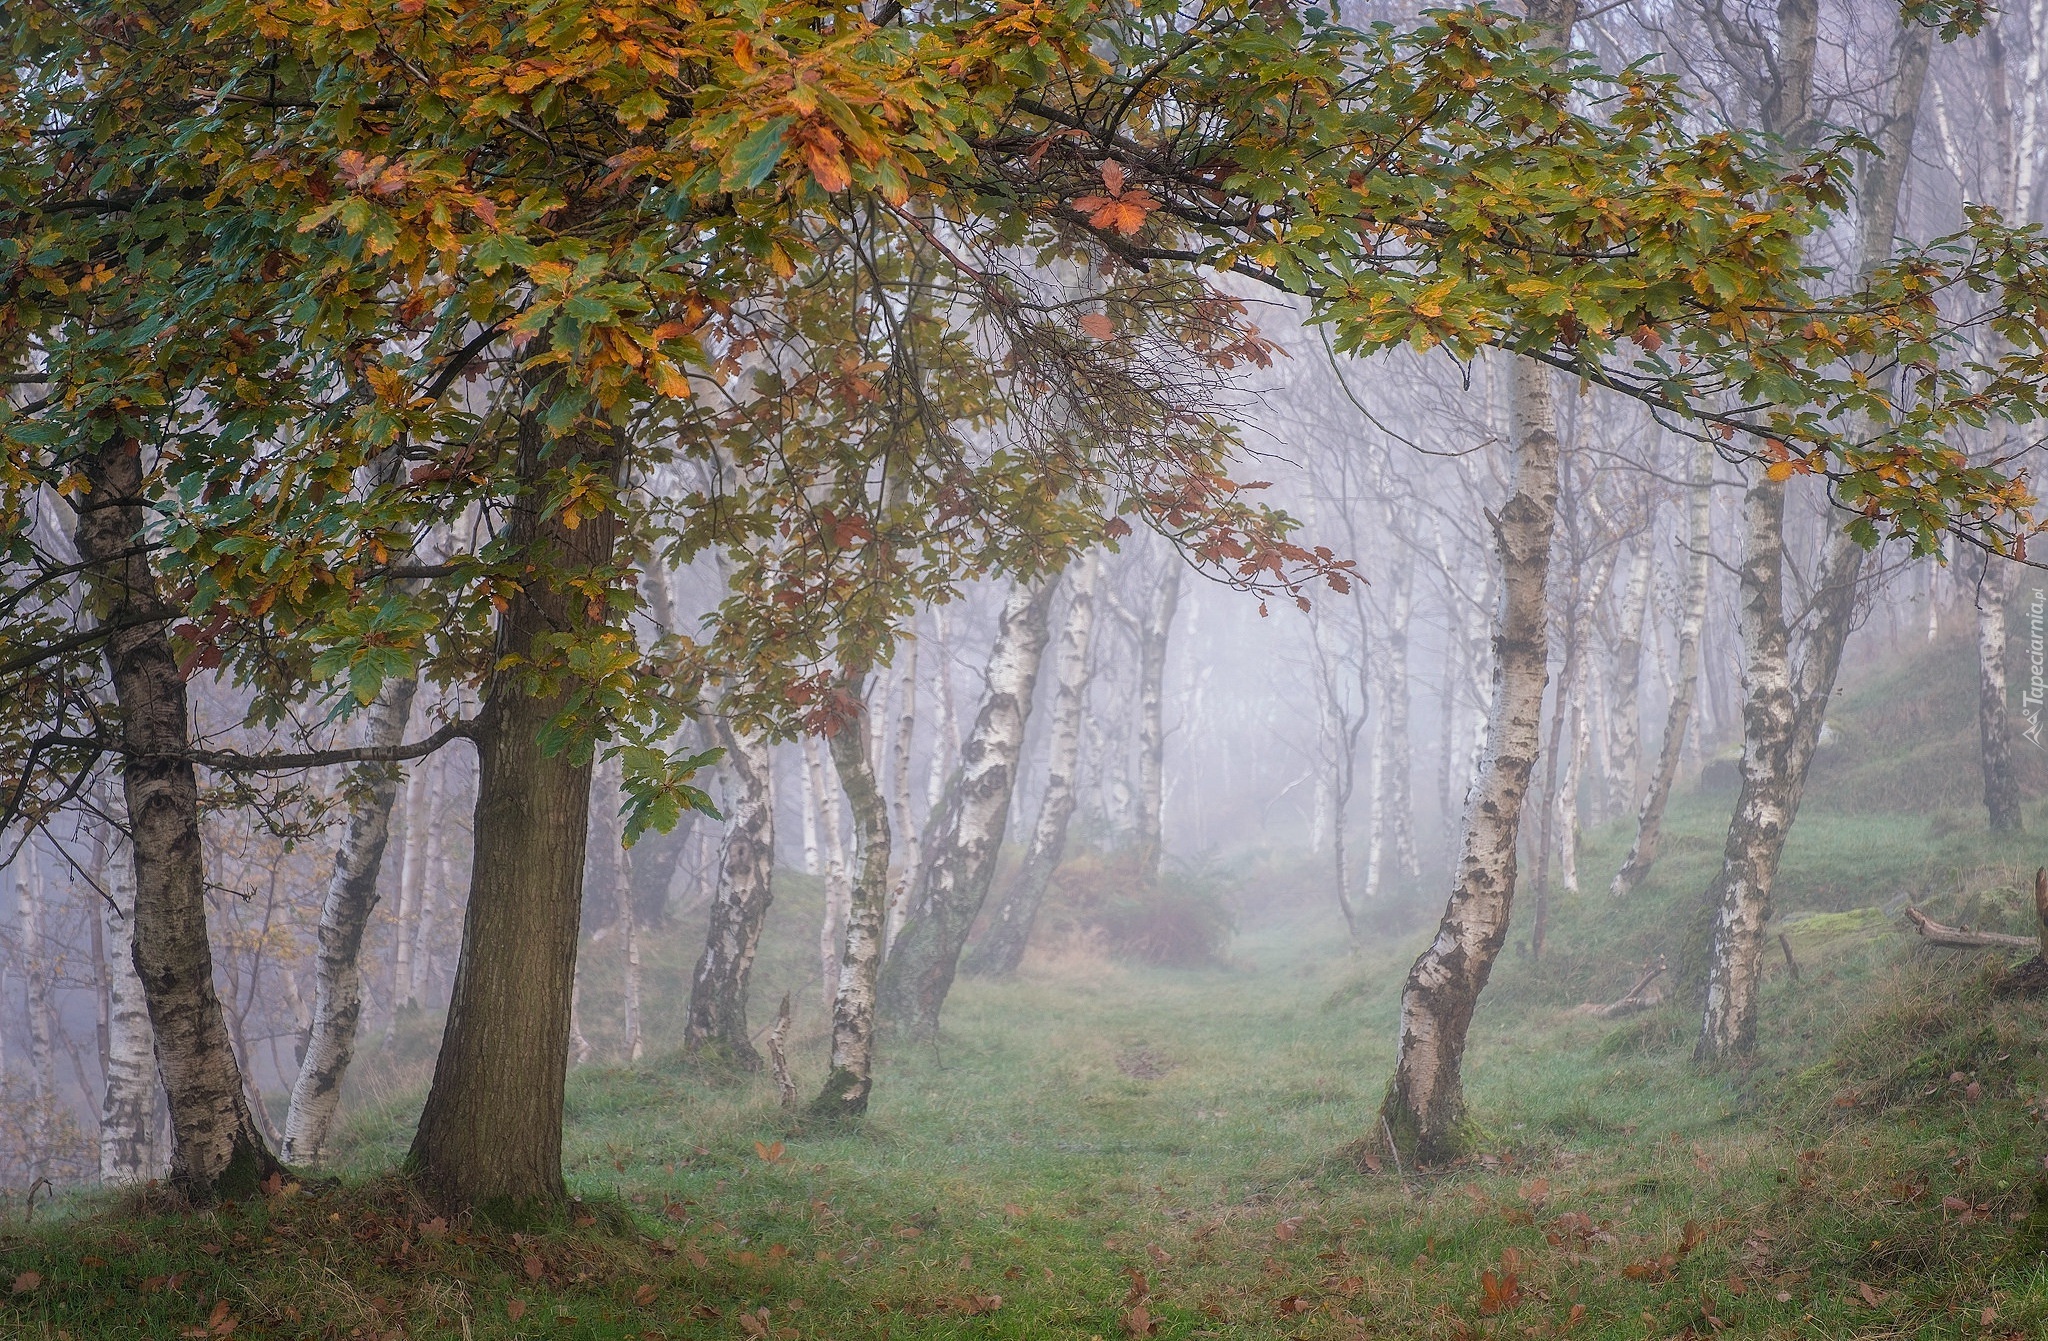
x=794, y=670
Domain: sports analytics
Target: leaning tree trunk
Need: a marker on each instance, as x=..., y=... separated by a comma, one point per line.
x=965, y=837
x=2001, y=790
x=1764, y=809
x=128, y=1153
x=490, y=1137
x=1152, y=639
x=851, y=1076
x=217, y=1149
x=1782, y=716
x=1642, y=854
x=1002, y=946
x=718, y=992
x=344, y=917
x=1424, y=1106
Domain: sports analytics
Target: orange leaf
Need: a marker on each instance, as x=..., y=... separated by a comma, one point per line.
x=1113, y=176
x=1099, y=326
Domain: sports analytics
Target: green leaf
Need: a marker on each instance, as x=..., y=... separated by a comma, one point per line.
x=753, y=158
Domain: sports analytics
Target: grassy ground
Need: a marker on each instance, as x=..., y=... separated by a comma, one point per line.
x=1102, y=1151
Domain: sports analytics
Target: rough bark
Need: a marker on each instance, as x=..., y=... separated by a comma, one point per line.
x=1002, y=947
x=1424, y=1106
x=851, y=1074
x=1783, y=713
x=128, y=1152
x=717, y=1017
x=963, y=840
x=2001, y=788
x=1152, y=644
x=1642, y=853
x=344, y=917
x=217, y=1149
x=490, y=1138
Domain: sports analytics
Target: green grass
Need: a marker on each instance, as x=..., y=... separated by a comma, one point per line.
x=1105, y=1149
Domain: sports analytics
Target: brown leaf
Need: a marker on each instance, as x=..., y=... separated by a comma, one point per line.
x=1139, y=1323
x=1869, y=1296
x=26, y=1281
x=515, y=1308
x=533, y=1267
x=1113, y=176
x=1098, y=326
x=1158, y=1254
x=1288, y=1228
x=645, y=1294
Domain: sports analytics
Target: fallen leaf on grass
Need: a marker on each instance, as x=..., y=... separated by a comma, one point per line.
x=26, y=1281
x=645, y=1295
x=1288, y=1228
x=1139, y=1323
x=1498, y=1292
x=1869, y=1295
x=515, y=1308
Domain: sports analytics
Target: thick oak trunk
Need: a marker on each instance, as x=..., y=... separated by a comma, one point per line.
x=963, y=840
x=490, y=1137
x=1002, y=946
x=1425, y=1104
x=718, y=992
x=344, y=917
x=217, y=1148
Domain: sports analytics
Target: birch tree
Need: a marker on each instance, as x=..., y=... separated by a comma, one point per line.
x=965, y=837
x=1784, y=707
x=717, y=1018
x=1423, y=1112
x=1001, y=948
x=344, y=918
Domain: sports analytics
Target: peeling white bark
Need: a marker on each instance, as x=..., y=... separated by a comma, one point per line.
x=1009, y=932
x=1642, y=854
x=129, y=1151
x=1424, y=1106
x=344, y=917
x=966, y=834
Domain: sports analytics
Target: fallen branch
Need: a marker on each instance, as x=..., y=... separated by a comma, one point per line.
x=1962, y=938
x=1634, y=999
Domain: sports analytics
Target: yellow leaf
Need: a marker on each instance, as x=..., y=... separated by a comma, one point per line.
x=1778, y=471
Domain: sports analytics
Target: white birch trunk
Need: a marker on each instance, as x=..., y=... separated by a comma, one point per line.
x=1152, y=647
x=1001, y=950
x=1692, y=620
x=1424, y=1108
x=1624, y=716
x=966, y=834
x=129, y=1151
x=746, y=885
x=35, y=974
x=847, y=1084
x=344, y=917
